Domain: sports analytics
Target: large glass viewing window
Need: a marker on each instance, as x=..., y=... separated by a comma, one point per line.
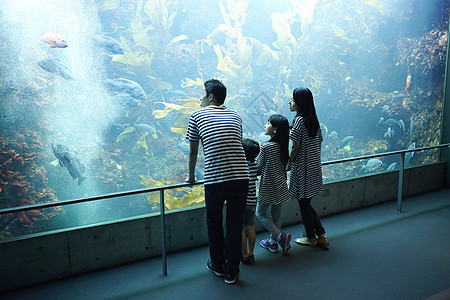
x=95, y=96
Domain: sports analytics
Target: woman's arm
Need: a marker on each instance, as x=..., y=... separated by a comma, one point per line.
x=294, y=150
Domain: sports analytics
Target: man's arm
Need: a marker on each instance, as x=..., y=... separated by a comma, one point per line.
x=193, y=153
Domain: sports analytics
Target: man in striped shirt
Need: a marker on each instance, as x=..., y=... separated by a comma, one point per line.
x=226, y=176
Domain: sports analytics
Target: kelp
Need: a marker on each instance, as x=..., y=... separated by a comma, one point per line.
x=150, y=32
x=174, y=198
x=129, y=57
x=186, y=107
x=285, y=52
x=375, y=4
x=141, y=140
x=235, y=60
x=109, y=4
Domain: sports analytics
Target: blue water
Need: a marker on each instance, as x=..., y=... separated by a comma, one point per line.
x=355, y=56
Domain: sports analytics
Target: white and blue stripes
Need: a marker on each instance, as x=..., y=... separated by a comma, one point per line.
x=273, y=189
x=220, y=131
x=253, y=170
x=306, y=170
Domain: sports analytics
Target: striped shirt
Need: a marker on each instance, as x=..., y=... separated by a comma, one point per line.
x=273, y=189
x=306, y=170
x=220, y=131
x=253, y=170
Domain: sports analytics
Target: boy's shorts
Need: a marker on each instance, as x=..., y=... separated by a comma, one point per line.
x=249, y=215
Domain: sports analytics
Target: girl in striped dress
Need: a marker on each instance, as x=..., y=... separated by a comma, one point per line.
x=251, y=149
x=273, y=189
x=304, y=163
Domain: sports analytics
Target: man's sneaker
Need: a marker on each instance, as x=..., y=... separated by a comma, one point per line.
x=218, y=271
x=267, y=245
x=306, y=242
x=230, y=279
x=285, y=242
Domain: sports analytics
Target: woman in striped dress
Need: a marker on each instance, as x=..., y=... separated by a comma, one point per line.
x=304, y=163
x=273, y=190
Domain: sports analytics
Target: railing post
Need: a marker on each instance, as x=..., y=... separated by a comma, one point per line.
x=163, y=233
x=400, y=182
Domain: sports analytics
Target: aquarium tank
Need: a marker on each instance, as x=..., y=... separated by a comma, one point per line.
x=95, y=96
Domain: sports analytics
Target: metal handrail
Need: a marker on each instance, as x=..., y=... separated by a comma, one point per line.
x=383, y=154
x=94, y=198
x=161, y=189
x=186, y=184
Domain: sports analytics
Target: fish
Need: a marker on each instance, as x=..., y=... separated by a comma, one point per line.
x=390, y=122
x=184, y=83
x=130, y=75
x=108, y=44
x=392, y=167
x=125, y=100
x=385, y=108
x=228, y=48
x=56, y=67
x=177, y=93
x=411, y=130
x=68, y=158
x=186, y=51
x=54, y=39
x=401, y=124
x=398, y=96
x=243, y=92
x=380, y=121
x=346, y=141
x=125, y=86
x=113, y=131
x=142, y=127
x=389, y=133
x=184, y=147
x=333, y=135
x=371, y=165
x=408, y=82
x=355, y=153
x=410, y=155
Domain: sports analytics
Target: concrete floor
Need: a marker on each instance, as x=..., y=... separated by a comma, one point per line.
x=375, y=253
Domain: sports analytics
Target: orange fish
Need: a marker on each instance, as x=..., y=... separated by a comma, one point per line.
x=408, y=82
x=54, y=39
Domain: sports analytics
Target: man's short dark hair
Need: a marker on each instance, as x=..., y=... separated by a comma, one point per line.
x=217, y=88
x=251, y=149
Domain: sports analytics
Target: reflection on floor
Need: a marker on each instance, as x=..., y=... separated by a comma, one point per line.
x=375, y=253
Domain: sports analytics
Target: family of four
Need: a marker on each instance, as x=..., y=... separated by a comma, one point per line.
x=232, y=165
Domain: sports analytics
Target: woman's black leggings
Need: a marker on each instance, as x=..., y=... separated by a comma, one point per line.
x=311, y=221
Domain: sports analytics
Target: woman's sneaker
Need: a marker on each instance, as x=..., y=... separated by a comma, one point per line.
x=306, y=242
x=267, y=245
x=285, y=242
x=323, y=241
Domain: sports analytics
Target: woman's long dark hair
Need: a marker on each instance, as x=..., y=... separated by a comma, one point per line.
x=281, y=136
x=305, y=108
